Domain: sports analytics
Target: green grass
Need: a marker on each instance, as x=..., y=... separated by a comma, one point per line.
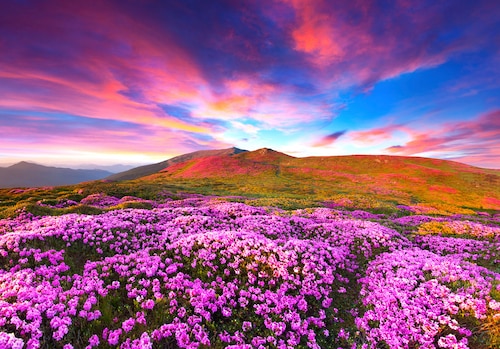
x=373, y=183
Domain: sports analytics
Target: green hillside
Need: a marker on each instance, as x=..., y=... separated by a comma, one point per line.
x=377, y=183
x=360, y=179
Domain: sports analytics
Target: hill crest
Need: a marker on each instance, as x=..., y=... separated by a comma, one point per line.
x=147, y=170
x=396, y=179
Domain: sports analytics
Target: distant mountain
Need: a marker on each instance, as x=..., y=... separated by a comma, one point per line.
x=154, y=168
x=25, y=174
x=394, y=179
x=110, y=168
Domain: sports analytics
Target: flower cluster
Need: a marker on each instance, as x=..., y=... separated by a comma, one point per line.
x=431, y=298
x=182, y=272
x=102, y=200
x=479, y=251
x=200, y=272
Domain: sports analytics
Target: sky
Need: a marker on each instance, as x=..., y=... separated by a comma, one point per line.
x=140, y=81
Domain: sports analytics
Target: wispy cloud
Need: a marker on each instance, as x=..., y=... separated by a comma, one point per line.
x=329, y=139
x=473, y=141
x=376, y=135
x=204, y=73
x=361, y=43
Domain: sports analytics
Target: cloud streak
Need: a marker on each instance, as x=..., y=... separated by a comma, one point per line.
x=360, y=43
x=200, y=74
x=329, y=139
x=474, y=140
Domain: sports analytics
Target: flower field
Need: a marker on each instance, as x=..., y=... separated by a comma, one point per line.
x=207, y=273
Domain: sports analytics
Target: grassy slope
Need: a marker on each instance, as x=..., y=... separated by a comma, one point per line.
x=146, y=170
x=356, y=181
x=391, y=179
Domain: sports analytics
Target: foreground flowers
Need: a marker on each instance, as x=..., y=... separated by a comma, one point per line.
x=217, y=274
x=432, y=297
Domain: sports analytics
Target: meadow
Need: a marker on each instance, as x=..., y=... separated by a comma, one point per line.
x=82, y=270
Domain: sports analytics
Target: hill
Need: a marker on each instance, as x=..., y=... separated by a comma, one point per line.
x=25, y=174
x=377, y=183
x=359, y=179
x=146, y=170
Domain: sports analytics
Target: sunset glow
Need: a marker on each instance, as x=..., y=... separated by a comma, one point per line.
x=138, y=82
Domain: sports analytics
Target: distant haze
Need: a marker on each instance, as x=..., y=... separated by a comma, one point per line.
x=110, y=168
x=25, y=174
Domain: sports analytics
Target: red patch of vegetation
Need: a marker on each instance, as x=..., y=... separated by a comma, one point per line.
x=492, y=202
x=218, y=166
x=443, y=189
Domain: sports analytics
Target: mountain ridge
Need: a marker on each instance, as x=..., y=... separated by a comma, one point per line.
x=266, y=154
x=145, y=170
x=398, y=179
x=28, y=174
x=356, y=181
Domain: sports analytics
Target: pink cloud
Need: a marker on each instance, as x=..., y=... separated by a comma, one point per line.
x=315, y=33
x=277, y=65
x=474, y=141
x=362, y=42
x=377, y=135
x=328, y=139
x=116, y=54
x=52, y=137
x=122, y=68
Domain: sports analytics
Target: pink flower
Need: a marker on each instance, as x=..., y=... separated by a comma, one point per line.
x=148, y=304
x=226, y=312
x=128, y=324
x=247, y=325
x=114, y=337
x=94, y=340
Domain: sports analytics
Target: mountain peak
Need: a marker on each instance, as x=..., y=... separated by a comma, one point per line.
x=266, y=154
x=24, y=164
x=28, y=174
x=266, y=151
x=237, y=150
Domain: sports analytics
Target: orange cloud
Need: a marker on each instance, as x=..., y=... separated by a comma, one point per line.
x=96, y=83
x=361, y=42
x=472, y=141
x=377, y=134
